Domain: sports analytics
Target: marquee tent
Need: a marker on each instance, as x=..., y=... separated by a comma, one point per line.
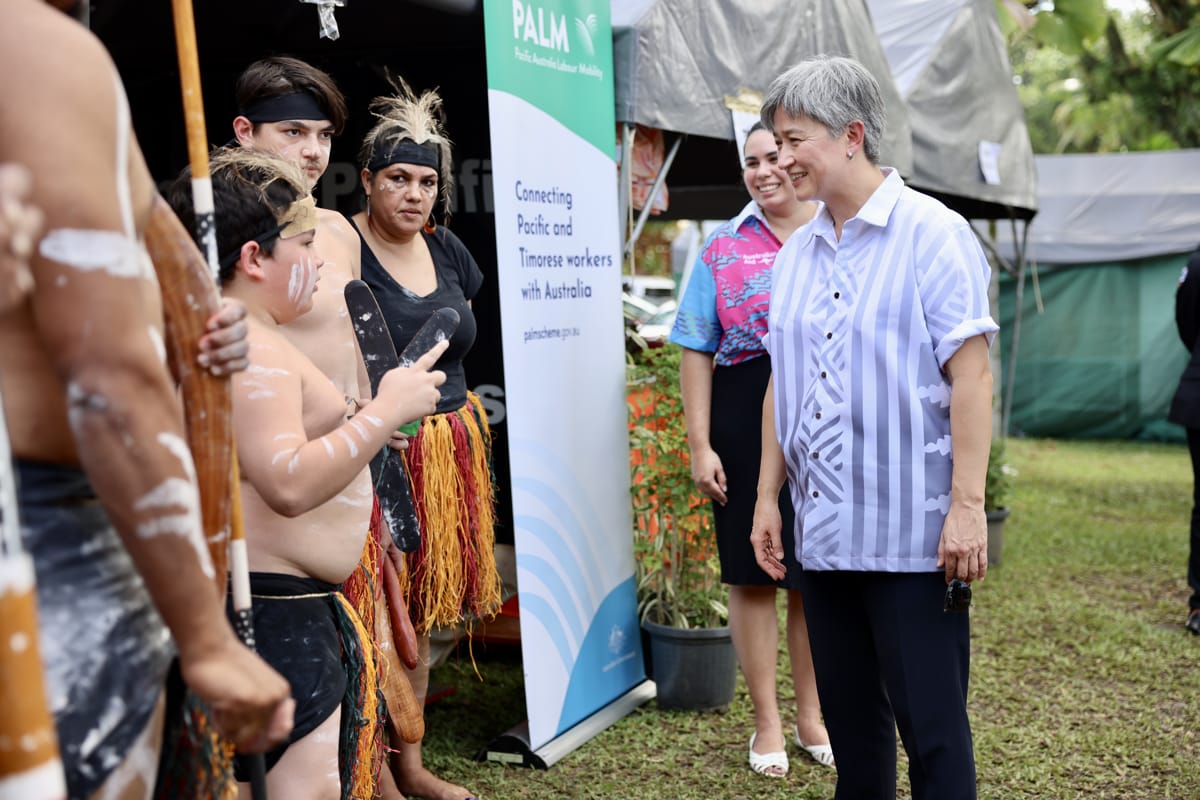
x=950, y=63
x=942, y=65
x=676, y=62
x=1097, y=354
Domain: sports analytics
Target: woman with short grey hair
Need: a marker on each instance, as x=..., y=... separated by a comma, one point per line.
x=880, y=402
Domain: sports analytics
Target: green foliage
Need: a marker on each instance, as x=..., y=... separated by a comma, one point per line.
x=1091, y=80
x=999, y=477
x=678, y=575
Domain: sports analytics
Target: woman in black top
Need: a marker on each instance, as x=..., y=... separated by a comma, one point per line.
x=414, y=267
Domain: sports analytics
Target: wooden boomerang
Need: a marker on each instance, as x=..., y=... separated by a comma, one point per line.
x=379, y=356
x=190, y=298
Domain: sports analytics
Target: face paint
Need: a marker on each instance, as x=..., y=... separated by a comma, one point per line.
x=302, y=282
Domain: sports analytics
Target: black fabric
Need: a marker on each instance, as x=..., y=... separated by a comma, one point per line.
x=736, y=435
x=1193, y=569
x=294, y=106
x=1185, y=406
x=405, y=151
x=298, y=636
x=459, y=279
x=106, y=650
x=888, y=657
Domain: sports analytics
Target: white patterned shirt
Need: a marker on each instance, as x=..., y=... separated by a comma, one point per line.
x=858, y=333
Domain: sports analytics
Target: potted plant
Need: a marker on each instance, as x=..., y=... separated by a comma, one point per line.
x=681, y=600
x=995, y=497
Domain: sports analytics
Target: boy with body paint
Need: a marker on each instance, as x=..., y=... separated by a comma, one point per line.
x=304, y=461
x=107, y=490
x=292, y=109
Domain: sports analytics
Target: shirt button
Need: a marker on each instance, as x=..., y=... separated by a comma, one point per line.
x=836, y=295
x=815, y=493
x=817, y=415
x=829, y=335
x=822, y=373
x=816, y=455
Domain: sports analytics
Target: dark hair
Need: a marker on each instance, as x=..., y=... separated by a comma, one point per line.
x=280, y=75
x=251, y=191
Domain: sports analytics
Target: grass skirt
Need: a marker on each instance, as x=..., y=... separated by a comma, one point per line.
x=452, y=576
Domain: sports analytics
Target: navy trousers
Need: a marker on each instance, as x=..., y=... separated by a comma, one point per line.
x=1193, y=571
x=886, y=657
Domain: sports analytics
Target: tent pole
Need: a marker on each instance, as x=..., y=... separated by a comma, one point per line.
x=1014, y=341
x=625, y=179
x=659, y=180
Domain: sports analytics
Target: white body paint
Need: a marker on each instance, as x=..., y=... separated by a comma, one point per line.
x=156, y=341
x=92, y=250
x=179, y=493
x=44, y=782
x=345, y=437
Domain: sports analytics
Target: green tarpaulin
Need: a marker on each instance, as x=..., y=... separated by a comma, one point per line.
x=1103, y=358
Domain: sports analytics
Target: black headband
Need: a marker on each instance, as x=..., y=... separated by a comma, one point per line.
x=229, y=259
x=406, y=151
x=298, y=105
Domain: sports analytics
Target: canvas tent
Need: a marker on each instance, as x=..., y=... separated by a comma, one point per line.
x=675, y=61
x=1097, y=354
x=950, y=64
x=942, y=65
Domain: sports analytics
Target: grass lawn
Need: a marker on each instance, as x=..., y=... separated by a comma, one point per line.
x=1084, y=683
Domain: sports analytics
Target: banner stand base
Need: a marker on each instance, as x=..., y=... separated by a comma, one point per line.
x=512, y=746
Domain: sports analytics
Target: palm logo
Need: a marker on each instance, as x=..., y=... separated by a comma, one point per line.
x=587, y=30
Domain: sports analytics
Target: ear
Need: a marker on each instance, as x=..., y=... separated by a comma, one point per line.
x=856, y=134
x=250, y=261
x=243, y=130
x=364, y=177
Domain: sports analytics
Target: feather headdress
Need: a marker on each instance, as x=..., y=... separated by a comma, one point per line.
x=260, y=170
x=407, y=116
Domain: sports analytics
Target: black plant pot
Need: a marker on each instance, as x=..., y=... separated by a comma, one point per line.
x=695, y=669
x=995, y=528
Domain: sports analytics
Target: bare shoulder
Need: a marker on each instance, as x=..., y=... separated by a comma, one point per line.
x=338, y=242
x=69, y=76
x=67, y=120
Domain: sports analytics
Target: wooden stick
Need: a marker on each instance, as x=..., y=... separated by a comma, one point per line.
x=202, y=202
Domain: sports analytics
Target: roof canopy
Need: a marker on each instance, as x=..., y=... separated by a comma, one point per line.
x=675, y=61
x=942, y=65
x=1105, y=207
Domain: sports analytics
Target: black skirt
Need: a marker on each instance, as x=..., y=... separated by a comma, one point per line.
x=736, y=436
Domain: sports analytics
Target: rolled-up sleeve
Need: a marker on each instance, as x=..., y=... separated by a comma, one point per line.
x=954, y=294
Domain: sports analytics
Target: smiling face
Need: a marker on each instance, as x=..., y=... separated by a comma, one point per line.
x=766, y=182
x=401, y=197
x=306, y=143
x=811, y=157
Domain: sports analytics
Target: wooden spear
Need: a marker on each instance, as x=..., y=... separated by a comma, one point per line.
x=202, y=201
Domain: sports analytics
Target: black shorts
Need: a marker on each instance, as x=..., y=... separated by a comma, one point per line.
x=296, y=632
x=105, y=648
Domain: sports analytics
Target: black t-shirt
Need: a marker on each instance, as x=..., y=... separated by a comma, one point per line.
x=459, y=279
